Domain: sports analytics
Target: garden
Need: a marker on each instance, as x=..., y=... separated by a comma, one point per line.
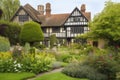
x=23, y=56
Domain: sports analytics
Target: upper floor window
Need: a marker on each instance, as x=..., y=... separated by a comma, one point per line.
x=77, y=29
x=23, y=18
x=44, y=30
x=55, y=30
x=76, y=19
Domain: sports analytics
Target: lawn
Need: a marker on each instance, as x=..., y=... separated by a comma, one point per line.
x=15, y=76
x=57, y=76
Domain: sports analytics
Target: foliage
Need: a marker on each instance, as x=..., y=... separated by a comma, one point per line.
x=58, y=64
x=8, y=8
x=106, y=24
x=101, y=65
x=57, y=76
x=10, y=30
x=39, y=45
x=83, y=71
x=16, y=76
x=4, y=44
x=31, y=32
x=17, y=51
x=35, y=63
x=7, y=64
x=26, y=48
x=53, y=40
x=1, y=12
x=105, y=65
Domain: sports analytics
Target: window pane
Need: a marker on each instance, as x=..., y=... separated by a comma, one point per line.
x=55, y=30
x=23, y=18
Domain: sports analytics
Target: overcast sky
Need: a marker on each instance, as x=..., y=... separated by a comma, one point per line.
x=67, y=6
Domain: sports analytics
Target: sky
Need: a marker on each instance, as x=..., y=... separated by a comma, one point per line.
x=67, y=6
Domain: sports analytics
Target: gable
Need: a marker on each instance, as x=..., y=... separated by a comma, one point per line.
x=26, y=10
x=20, y=12
x=76, y=18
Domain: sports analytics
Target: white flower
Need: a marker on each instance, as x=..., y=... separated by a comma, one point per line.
x=15, y=62
x=19, y=65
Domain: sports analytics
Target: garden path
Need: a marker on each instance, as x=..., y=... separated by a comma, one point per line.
x=55, y=70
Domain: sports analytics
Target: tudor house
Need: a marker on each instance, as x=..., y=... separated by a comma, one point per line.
x=65, y=26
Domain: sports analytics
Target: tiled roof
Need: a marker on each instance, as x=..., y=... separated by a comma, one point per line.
x=32, y=12
x=53, y=20
x=87, y=15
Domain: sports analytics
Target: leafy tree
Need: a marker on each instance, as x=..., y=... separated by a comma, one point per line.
x=10, y=30
x=31, y=32
x=9, y=7
x=106, y=25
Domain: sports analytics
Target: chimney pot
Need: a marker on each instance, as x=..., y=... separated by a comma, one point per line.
x=83, y=8
x=41, y=9
x=48, y=9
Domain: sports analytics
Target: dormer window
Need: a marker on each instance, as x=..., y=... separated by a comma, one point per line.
x=23, y=18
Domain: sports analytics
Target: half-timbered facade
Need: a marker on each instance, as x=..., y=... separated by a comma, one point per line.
x=65, y=26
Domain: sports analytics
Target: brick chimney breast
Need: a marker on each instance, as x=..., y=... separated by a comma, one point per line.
x=83, y=8
x=41, y=9
x=48, y=9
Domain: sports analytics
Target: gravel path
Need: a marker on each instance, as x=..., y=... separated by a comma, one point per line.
x=55, y=70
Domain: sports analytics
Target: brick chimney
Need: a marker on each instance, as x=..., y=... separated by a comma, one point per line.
x=83, y=8
x=48, y=9
x=41, y=9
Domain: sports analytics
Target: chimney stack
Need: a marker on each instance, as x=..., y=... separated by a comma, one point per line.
x=83, y=8
x=41, y=9
x=48, y=9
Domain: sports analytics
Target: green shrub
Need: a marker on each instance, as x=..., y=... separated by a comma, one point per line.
x=38, y=45
x=17, y=51
x=83, y=71
x=31, y=32
x=11, y=31
x=27, y=48
x=105, y=65
x=8, y=64
x=4, y=44
x=95, y=66
x=53, y=40
x=58, y=64
x=37, y=63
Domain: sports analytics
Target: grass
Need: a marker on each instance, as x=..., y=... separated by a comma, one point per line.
x=57, y=76
x=16, y=76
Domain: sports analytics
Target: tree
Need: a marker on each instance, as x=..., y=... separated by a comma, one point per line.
x=31, y=32
x=9, y=7
x=11, y=31
x=106, y=25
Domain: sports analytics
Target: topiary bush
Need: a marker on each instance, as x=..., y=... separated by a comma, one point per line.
x=4, y=44
x=53, y=40
x=31, y=32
